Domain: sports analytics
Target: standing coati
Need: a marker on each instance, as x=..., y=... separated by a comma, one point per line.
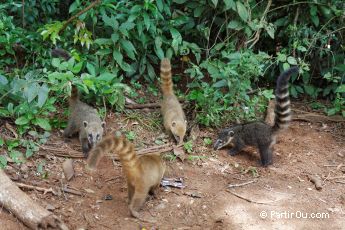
x=143, y=173
x=260, y=134
x=173, y=115
x=83, y=119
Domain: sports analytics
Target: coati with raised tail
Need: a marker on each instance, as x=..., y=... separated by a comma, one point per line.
x=143, y=173
x=173, y=115
x=260, y=134
x=83, y=119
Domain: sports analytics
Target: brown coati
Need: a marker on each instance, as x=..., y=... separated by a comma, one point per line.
x=83, y=119
x=143, y=173
x=173, y=115
x=58, y=52
x=260, y=134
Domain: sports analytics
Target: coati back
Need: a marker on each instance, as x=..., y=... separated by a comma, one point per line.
x=260, y=134
x=143, y=173
x=83, y=119
x=57, y=52
x=173, y=115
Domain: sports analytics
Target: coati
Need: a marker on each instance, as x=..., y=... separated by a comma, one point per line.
x=57, y=52
x=173, y=115
x=260, y=134
x=83, y=119
x=143, y=173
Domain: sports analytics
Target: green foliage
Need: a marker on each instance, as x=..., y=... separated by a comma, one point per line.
x=188, y=146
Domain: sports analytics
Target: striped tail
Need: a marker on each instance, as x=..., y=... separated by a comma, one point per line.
x=74, y=95
x=167, y=85
x=282, y=109
x=118, y=145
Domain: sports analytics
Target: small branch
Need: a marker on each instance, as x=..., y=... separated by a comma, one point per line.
x=62, y=152
x=242, y=184
x=142, y=106
x=40, y=189
x=333, y=165
x=78, y=14
x=316, y=180
x=158, y=149
x=72, y=191
x=340, y=182
x=249, y=200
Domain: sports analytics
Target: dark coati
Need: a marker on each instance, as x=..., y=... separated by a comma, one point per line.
x=173, y=115
x=83, y=119
x=58, y=52
x=143, y=173
x=260, y=134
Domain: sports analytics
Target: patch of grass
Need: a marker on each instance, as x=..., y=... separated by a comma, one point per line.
x=170, y=157
x=188, y=146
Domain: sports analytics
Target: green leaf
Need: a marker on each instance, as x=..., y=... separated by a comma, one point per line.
x=118, y=57
x=234, y=24
x=179, y=1
x=31, y=91
x=42, y=95
x=281, y=57
x=129, y=48
x=22, y=121
x=270, y=30
x=286, y=66
x=91, y=68
x=3, y=161
x=115, y=37
x=76, y=69
x=242, y=11
x=341, y=89
x=177, y=39
x=220, y=83
x=2, y=142
x=28, y=153
x=43, y=123
x=198, y=11
x=309, y=89
x=291, y=60
x=315, y=20
x=293, y=91
x=3, y=80
x=230, y=4
x=56, y=62
x=215, y=2
x=106, y=77
x=147, y=21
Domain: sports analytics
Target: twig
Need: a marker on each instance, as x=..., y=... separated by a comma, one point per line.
x=78, y=14
x=61, y=152
x=72, y=191
x=335, y=177
x=314, y=117
x=41, y=189
x=242, y=184
x=158, y=149
x=142, y=106
x=249, y=200
x=334, y=165
x=340, y=182
x=316, y=180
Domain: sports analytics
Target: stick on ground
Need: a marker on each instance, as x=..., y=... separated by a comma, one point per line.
x=25, y=209
x=250, y=200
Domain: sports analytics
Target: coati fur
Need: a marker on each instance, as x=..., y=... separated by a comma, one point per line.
x=143, y=173
x=260, y=134
x=83, y=119
x=173, y=116
x=58, y=52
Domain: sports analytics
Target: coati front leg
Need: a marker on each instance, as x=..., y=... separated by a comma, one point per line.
x=85, y=146
x=130, y=189
x=239, y=145
x=70, y=130
x=265, y=154
x=137, y=201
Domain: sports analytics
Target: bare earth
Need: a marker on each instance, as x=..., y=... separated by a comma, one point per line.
x=283, y=191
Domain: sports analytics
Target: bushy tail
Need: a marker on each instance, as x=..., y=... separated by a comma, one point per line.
x=74, y=95
x=282, y=108
x=118, y=145
x=57, y=52
x=167, y=85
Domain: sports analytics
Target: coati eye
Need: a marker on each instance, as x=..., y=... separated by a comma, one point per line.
x=97, y=137
x=90, y=136
x=231, y=133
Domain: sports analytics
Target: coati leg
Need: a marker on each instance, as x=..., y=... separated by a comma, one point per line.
x=70, y=129
x=137, y=201
x=85, y=146
x=130, y=190
x=239, y=145
x=265, y=154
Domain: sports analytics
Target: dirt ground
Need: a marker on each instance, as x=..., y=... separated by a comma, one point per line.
x=282, y=191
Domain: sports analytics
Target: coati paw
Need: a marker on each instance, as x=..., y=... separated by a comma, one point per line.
x=233, y=152
x=266, y=163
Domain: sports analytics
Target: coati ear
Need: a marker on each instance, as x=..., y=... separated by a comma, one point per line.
x=173, y=124
x=85, y=123
x=103, y=124
x=231, y=133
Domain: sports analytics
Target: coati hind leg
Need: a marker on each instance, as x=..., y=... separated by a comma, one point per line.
x=239, y=145
x=265, y=154
x=130, y=189
x=137, y=201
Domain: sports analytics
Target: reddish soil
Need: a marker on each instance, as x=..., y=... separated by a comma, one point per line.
x=281, y=190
